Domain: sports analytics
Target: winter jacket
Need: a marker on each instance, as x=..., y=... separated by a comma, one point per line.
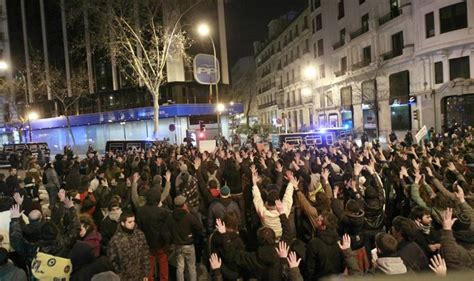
x=183, y=227
x=10, y=272
x=12, y=184
x=151, y=220
x=271, y=218
x=52, y=178
x=107, y=230
x=217, y=242
x=458, y=257
x=390, y=266
x=94, y=239
x=129, y=255
x=413, y=256
x=323, y=255
x=350, y=223
x=219, y=208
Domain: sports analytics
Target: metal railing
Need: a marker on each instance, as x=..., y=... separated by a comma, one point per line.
x=359, y=32
x=268, y=104
x=340, y=72
x=361, y=64
x=390, y=16
x=338, y=45
x=392, y=54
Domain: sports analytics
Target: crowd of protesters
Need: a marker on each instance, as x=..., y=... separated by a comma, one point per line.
x=279, y=213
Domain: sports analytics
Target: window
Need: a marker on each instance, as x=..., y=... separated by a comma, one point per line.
x=453, y=17
x=429, y=25
x=397, y=43
x=438, y=66
x=320, y=47
x=367, y=54
x=340, y=9
x=346, y=96
x=306, y=46
x=400, y=117
x=361, y=2
x=313, y=25
x=368, y=91
x=342, y=35
x=319, y=22
x=399, y=84
x=315, y=51
x=459, y=68
x=329, y=101
x=317, y=4
x=365, y=22
x=322, y=72
x=322, y=99
x=344, y=64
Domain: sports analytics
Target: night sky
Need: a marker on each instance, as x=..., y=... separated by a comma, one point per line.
x=247, y=21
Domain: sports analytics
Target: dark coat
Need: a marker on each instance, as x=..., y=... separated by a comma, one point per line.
x=323, y=255
x=183, y=227
x=151, y=220
x=219, y=208
x=12, y=184
x=107, y=229
x=413, y=256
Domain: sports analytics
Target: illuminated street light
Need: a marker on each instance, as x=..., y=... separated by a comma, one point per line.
x=306, y=92
x=3, y=65
x=203, y=29
x=33, y=115
x=309, y=72
x=220, y=107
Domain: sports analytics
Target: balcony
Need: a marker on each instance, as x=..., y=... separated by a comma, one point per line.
x=268, y=104
x=392, y=54
x=359, y=32
x=266, y=72
x=266, y=88
x=361, y=64
x=340, y=72
x=338, y=45
x=390, y=16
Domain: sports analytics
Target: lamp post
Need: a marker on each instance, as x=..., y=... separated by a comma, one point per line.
x=309, y=74
x=204, y=30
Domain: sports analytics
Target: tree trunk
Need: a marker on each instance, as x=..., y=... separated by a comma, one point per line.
x=70, y=132
x=248, y=110
x=156, y=116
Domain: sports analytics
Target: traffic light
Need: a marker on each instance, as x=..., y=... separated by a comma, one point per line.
x=202, y=126
x=415, y=114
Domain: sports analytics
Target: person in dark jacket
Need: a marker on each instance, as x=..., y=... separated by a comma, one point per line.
x=8, y=271
x=323, y=255
x=12, y=183
x=184, y=228
x=426, y=236
x=109, y=225
x=220, y=206
x=404, y=230
x=32, y=230
x=84, y=263
x=90, y=234
x=151, y=219
x=3, y=186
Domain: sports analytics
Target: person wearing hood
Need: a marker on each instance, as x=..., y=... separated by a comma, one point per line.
x=109, y=225
x=12, y=183
x=52, y=182
x=151, y=219
x=90, y=234
x=8, y=271
x=184, y=228
x=386, y=260
x=32, y=230
x=220, y=206
x=128, y=250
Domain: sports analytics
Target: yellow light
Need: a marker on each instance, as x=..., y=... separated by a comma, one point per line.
x=309, y=72
x=306, y=92
x=3, y=65
x=203, y=29
x=33, y=115
x=220, y=107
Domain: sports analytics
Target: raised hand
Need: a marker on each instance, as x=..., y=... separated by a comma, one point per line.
x=460, y=194
x=448, y=220
x=18, y=198
x=278, y=167
x=293, y=260
x=215, y=261
x=220, y=226
x=282, y=250
x=438, y=265
x=346, y=242
x=15, y=212
x=61, y=195
x=325, y=174
x=357, y=169
x=255, y=178
x=197, y=163
x=168, y=176
x=68, y=203
x=135, y=177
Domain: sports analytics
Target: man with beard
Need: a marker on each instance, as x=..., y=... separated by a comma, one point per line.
x=128, y=250
x=427, y=237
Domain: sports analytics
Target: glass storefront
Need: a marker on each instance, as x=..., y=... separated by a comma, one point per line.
x=459, y=109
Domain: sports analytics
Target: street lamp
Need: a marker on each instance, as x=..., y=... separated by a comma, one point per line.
x=32, y=115
x=204, y=30
x=3, y=65
x=309, y=72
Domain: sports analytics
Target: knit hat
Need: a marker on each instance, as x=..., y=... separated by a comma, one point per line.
x=29, y=181
x=225, y=192
x=272, y=197
x=179, y=200
x=463, y=222
x=352, y=207
x=49, y=231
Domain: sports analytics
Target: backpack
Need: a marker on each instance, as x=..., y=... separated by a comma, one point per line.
x=48, y=267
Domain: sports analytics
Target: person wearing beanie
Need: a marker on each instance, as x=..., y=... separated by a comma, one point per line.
x=151, y=219
x=128, y=250
x=109, y=224
x=221, y=206
x=8, y=271
x=185, y=228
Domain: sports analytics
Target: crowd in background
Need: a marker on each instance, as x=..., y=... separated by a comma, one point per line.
x=268, y=213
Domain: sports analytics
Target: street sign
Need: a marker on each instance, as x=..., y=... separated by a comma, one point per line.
x=172, y=127
x=204, y=68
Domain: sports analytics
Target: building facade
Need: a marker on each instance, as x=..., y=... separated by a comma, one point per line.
x=391, y=65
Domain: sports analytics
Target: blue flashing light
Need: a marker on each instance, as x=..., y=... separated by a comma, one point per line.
x=322, y=130
x=346, y=126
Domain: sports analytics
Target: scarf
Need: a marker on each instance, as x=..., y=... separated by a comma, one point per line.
x=126, y=230
x=115, y=215
x=423, y=228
